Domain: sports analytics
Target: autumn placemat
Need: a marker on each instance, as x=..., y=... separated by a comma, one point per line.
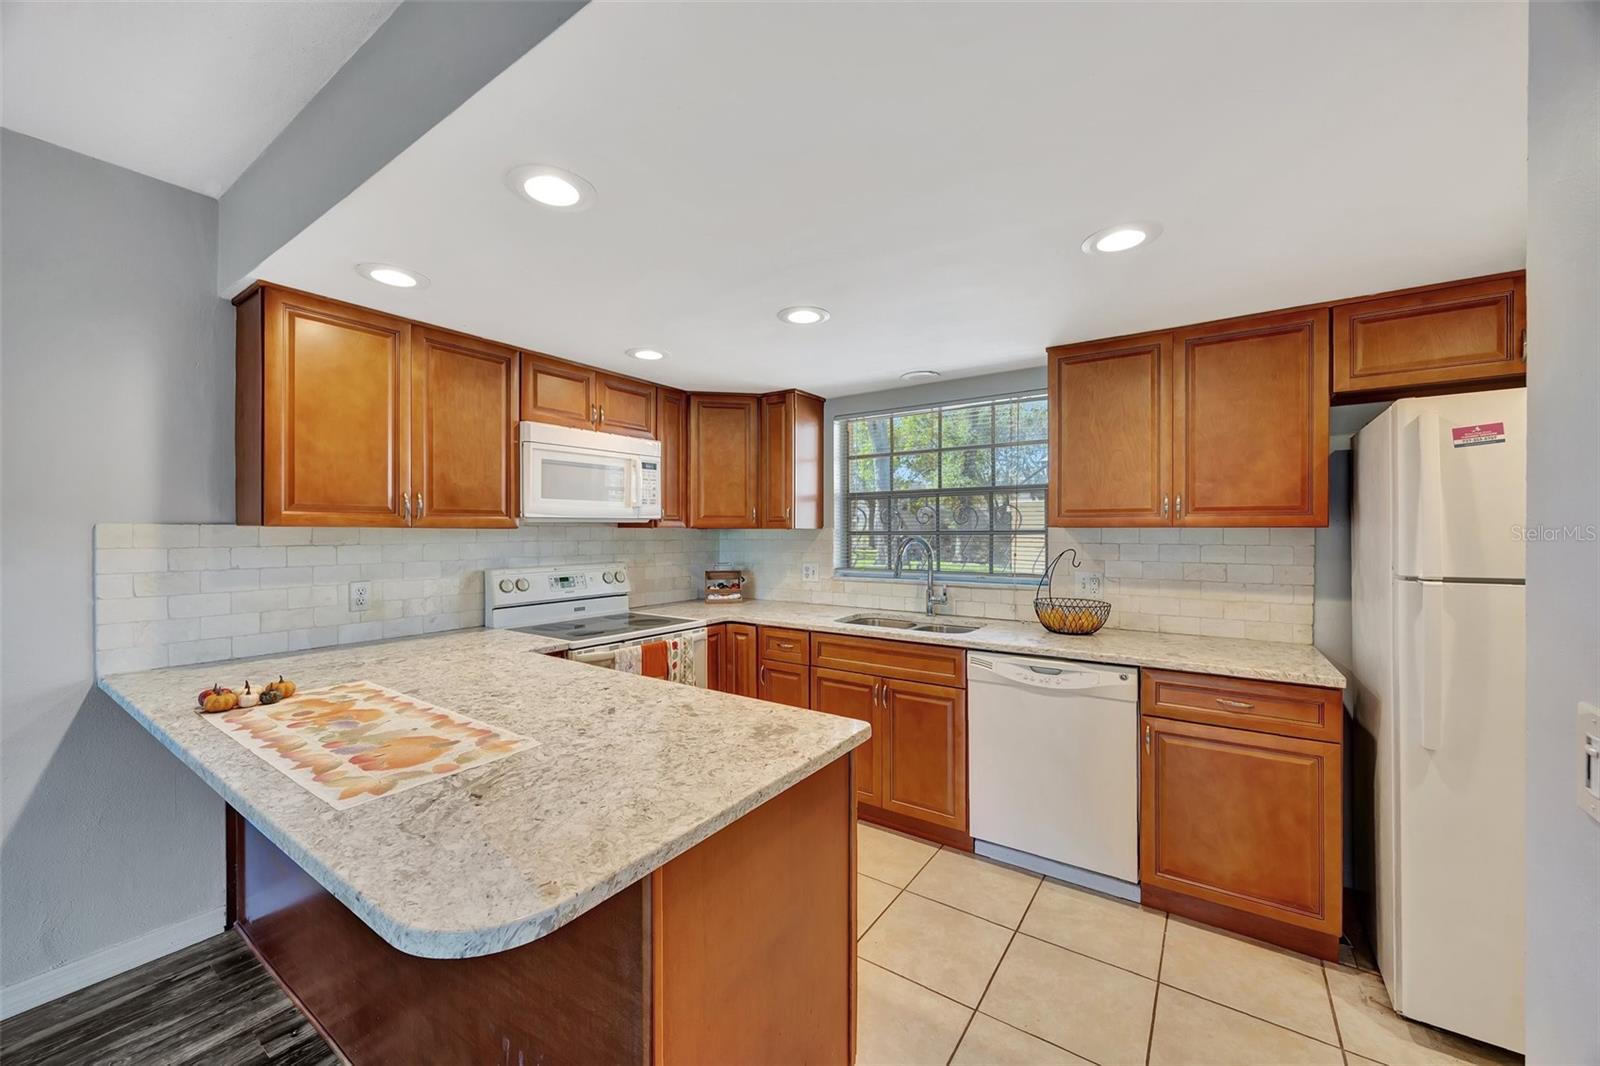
x=351, y=743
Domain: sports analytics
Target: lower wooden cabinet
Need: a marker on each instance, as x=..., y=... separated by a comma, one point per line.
x=781, y=682
x=716, y=656
x=851, y=695
x=1241, y=826
x=925, y=752
x=739, y=660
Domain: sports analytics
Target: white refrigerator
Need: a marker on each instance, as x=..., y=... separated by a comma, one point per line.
x=1439, y=506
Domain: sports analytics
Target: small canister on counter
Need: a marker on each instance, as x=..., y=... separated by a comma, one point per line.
x=724, y=585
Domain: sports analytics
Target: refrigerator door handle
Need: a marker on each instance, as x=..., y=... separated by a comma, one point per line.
x=1431, y=530
x=1432, y=678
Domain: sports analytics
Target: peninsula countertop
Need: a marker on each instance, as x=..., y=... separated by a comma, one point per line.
x=625, y=774
x=1264, y=660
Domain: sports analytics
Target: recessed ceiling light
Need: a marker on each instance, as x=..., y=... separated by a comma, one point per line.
x=551, y=187
x=804, y=315
x=647, y=354
x=918, y=375
x=384, y=274
x=1121, y=237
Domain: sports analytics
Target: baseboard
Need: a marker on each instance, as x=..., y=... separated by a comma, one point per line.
x=108, y=962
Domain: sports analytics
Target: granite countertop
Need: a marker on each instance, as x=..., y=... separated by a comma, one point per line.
x=1299, y=664
x=615, y=786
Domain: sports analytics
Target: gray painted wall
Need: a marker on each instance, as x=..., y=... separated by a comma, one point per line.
x=1563, y=984
x=420, y=65
x=116, y=392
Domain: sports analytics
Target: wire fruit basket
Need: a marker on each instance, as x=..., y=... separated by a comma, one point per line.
x=1070, y=615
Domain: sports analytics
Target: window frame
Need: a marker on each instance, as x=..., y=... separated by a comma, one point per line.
x=915, y=570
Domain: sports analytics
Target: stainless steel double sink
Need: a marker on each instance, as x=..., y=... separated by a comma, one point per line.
x=883, y=621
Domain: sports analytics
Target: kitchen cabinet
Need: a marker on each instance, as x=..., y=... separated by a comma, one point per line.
x=925, y=752
x=672, y=430
x=464, y=408
x=568, y=394
x=1224, y=424
x=785, y=645
x=852, y=695
x=739, y=660
x=723, y=460
x=786, y=683
x=1442, y=338
x=789, y=490
x=625, y=405
x=1241, y=806
x=1250, y=421
x=717, y=656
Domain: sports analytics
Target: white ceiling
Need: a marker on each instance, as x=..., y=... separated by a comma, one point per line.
x=188, y=92
x=928, y=171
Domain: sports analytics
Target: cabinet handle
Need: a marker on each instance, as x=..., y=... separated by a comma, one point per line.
x=1240, y=704
x=419, y=507
x=784, y=644
x=1178, y=510
x=761, y=674
x=1524, y=345
x=407, y=498
x=1166, y=504
x=594, y=415
x=1147, y=739
x=602, y=414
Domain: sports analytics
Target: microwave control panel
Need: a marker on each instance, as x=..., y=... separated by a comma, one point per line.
x=649, y=483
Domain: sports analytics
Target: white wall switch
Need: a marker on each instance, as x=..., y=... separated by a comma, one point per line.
x=1589, y=750
x=360, y=595
x=1087, y=584
x=808, y=571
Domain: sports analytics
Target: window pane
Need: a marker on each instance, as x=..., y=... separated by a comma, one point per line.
x=869, y=475
x=1021, y=553
x=966, y=426
x=915, y=559
x=915, y=514
x=964, y=554
x=1024, y=464
x=869, y=436
x=967, y=513
x=869, y=552
x=967, y=468
x=916, y=430
x=1019, y=510
x=919, y=471
x=867, y=514
x=1019, y=420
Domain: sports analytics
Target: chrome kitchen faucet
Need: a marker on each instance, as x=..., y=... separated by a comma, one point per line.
x=943, y=596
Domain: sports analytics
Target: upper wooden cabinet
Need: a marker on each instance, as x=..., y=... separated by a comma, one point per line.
x=1250, y=421
x=567, y=394
x=724, y=456
x=672, y=430
x=463, y=431
x=1111, y=432
x=790, y=482
x=1224, y=424
x=1454, y=337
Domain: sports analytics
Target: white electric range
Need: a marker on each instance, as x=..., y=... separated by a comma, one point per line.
x=587, y=606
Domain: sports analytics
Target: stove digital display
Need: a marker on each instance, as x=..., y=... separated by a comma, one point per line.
x=563, y=582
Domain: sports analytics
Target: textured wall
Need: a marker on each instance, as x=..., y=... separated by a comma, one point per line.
x=118, y=399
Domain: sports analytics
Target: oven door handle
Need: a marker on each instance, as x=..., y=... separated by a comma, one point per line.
x=601, y=655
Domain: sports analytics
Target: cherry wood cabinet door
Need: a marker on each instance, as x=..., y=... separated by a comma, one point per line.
x=723, y=439
x=925, y=752
x=852, y=695
x=672, y=430
x=625, y=406
x=739, y=660
x=1242, y=819
x=775, y=504
x=558, y=392
x=464, y=407
x=1111, y=432
x=336, y=393
x=1250, y=421
x=717, y=657
x=1463, y=335
x=786, y=683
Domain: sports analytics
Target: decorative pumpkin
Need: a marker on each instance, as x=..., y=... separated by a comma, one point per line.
x=285, y=689
x=269, y=696
x=226, y=700
x=207, y=693
x=248, y=698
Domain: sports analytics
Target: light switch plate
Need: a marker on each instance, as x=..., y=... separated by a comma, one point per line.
x=360, y=595
x=808, y=571
x=1589, y=753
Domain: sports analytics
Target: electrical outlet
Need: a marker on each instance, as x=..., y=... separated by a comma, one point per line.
x=1088, y=584
x=808, y=571
x=360, y=595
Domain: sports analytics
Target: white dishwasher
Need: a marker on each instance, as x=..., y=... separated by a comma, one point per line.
x=1054, y=768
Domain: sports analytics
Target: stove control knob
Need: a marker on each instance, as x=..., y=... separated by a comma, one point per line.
x=506, y=585
x=522, y=584
x=619, y=577
x=607, y=578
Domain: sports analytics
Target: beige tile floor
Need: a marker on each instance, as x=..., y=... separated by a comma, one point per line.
x=966, y=961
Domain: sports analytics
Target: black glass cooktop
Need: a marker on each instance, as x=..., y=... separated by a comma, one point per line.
x=603, y=625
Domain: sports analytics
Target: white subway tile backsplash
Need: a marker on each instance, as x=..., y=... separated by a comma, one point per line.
x=229, y=580
x=165, y=536
x=172, y=583
x=199, y=604
x=198, y=559
x=256, y=558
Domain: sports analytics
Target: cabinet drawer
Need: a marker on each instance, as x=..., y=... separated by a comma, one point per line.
x=1262, y=706
x=890, y=658
x=785, y=645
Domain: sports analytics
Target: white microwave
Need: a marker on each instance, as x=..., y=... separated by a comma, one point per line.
x=579, y=475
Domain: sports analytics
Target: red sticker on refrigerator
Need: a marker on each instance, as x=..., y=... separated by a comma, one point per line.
x=1483, y=433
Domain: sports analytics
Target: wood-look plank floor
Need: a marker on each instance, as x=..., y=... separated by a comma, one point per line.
x=210, y=1003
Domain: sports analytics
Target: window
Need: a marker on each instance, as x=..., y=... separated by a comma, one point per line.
x=970, y=477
